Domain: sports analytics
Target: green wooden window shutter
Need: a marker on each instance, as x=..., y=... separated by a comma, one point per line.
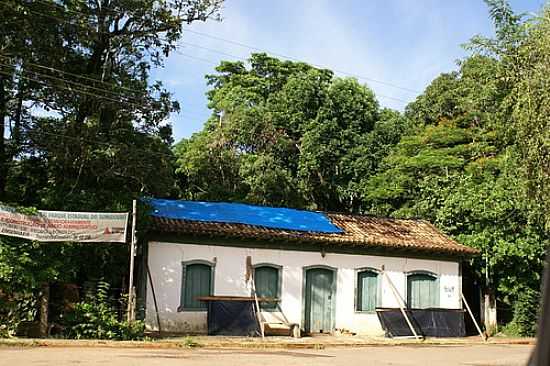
x=367, y=289
x=266, y=280
x=197, y=282
x=422, y=291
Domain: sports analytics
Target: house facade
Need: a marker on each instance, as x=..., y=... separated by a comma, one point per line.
x=324, y=281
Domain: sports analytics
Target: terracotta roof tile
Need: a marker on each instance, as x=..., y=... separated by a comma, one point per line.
x=359, y=231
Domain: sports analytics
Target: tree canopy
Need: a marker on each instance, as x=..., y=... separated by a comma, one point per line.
x=286, y=133
x=86, y=129
x=470, y=154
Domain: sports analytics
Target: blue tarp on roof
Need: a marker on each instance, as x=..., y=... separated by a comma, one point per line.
x=239, y=213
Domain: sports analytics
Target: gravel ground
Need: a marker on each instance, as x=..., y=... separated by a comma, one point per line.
x=451, y=355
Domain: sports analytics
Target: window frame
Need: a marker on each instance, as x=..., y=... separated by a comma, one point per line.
x=356, y=289
x=279, y=269
x=184, y=265
x=428, y=273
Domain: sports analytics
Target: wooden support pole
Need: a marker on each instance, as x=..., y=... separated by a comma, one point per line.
x=401, y=303
x=131, y=291
x=473, y=318
x=258, y=311
x=249, y=275
x=154, y=297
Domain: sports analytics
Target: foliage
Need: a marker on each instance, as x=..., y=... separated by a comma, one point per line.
x=529, y=69
x=89, y=132
x=96, y=318
x=4, y=332
x=458, y=167
x=294, y=135
x=286, y=133
x=84, y=127
x=190, y=342
x=525, y=315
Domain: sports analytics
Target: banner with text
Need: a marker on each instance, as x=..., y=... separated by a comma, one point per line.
x=64, y=226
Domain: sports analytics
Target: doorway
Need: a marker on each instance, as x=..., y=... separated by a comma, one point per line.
x=320, y=300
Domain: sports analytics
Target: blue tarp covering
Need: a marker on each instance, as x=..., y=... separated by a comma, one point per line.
x=239, y=213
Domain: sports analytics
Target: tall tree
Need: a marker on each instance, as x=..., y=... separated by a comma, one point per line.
x=286, y=133
x=529, y=69
x=86, y=127
x=459, y=166
x=85, y=64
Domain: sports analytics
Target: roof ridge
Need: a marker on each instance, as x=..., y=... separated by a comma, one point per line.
x=373, y=216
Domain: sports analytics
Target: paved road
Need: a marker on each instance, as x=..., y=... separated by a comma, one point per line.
x=489, y=355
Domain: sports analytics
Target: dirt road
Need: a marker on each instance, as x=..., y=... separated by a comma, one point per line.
x=472, y=355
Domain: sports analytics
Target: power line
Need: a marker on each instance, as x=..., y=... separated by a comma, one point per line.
x=213, y=50
x=254, y=48
x=84, y=92
x=298, y=60
x=210, y=62
x=75, y=75
x=216, y=64
x=108, y=144
x=76, y=90
x=230, y=55
x=79, y=91
x=114, y=94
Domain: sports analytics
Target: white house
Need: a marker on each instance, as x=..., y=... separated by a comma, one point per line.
x=326, y=275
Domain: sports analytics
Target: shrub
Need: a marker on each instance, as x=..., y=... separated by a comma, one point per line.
x=4, y=332
x=96, y=318
x=189, y=342
x=15, y=310
x=526, y=310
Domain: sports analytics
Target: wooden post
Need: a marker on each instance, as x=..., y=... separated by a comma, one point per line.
x=249, y=275
x=401, y=303
x=154, y=297
x=473, y=318
x=44, y=301
x=131, y=291
x=258, y=312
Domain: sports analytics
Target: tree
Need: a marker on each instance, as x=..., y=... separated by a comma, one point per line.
x=86, y=65
x=286, y=133
x=458, y=166
x=529, y=69
x=87, y=128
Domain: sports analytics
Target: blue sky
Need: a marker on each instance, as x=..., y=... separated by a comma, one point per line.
x=402, y=42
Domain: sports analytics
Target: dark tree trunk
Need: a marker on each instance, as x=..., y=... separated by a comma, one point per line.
x=541, y=354
x=95, y=64
x=17, y=118
x=3, y=157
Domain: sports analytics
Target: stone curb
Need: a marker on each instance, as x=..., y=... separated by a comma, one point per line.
x=213, y=344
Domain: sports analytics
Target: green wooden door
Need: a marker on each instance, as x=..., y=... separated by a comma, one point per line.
x=319, y=304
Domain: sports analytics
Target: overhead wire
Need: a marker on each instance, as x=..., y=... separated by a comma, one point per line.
x=298, y=60
x=86, y=86
x=50, y=68
x=177, y=50
x=90, y=141
x=258, y=49
x=208, y=61
x=78, y=84
x=83, y=92
x=76, y=90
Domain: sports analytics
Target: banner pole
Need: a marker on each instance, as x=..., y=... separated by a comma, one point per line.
x=131, y=292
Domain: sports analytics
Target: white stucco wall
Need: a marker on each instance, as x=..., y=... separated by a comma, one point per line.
x=165, y=263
